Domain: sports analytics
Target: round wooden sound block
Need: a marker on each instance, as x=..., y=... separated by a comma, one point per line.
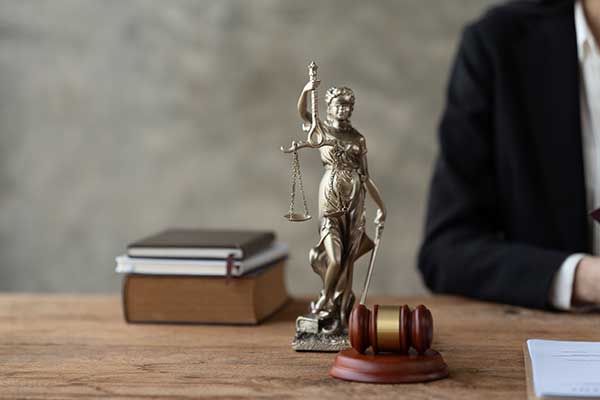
x=350, y=365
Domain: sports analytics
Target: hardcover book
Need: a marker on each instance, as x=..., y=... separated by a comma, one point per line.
x=248, y=299
x=202, y=243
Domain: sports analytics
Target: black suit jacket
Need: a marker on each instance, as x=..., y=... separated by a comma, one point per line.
x=507, y=201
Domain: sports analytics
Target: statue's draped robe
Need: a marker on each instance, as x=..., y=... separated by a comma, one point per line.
x=348, y=229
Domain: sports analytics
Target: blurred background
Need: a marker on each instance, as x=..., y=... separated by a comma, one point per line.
x=121, y=118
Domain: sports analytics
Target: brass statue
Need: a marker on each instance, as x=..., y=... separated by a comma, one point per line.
x=342, y=228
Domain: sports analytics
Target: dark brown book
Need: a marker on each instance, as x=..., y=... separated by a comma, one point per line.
x=248, y=299
x=202, y=243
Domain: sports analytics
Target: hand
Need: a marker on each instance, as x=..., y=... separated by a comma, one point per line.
x=380, y=217
x=311, y=85
x=586, y=286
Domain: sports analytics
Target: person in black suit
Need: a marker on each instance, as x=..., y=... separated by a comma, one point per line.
x=508, y=212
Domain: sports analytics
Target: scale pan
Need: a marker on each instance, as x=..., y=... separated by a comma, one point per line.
x=297, y=217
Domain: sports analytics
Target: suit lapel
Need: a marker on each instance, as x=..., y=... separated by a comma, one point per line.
x=547, y=59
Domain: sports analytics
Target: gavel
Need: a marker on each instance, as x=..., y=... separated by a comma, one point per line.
x=390, y=329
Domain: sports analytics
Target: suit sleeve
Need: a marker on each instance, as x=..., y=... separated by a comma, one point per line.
x=464, y=250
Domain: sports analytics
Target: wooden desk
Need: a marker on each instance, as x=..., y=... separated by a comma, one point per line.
x=79, y=346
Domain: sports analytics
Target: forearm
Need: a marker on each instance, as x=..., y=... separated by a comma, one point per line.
x=476, y=264
x=304, y=114
x=375, y=195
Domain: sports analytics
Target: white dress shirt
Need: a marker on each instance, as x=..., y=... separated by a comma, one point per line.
x=588, y=54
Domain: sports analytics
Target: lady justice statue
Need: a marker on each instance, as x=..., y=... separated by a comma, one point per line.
x=342, y=229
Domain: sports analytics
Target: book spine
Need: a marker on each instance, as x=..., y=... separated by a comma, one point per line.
x=124, y=297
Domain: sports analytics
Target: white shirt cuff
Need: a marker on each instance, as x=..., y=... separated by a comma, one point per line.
x=561, y=290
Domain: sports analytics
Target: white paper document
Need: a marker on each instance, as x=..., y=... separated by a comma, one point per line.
x=565, y=369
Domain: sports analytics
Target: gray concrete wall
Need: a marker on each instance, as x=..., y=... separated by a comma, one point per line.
x=120, y=118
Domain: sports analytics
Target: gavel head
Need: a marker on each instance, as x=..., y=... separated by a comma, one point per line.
x=390, y=329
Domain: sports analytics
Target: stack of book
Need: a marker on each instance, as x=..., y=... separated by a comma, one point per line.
x=203, y=276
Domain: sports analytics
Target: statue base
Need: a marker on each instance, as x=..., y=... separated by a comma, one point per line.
x=320, y=335
x=320, y=342
x=350, y=365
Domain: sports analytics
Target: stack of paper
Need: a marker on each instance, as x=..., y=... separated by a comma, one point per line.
x=564, y=369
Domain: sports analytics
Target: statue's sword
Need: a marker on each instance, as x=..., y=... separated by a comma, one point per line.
x=378, y=234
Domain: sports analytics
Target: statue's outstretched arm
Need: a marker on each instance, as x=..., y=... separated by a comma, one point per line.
x=374, y=192
x=305, y=114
